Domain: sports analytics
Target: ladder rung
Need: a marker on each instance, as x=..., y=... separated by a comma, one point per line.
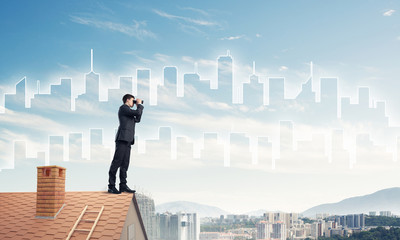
x=87, y=220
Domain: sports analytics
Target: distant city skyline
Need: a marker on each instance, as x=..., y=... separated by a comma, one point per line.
x=272, y=100
x=278, y=105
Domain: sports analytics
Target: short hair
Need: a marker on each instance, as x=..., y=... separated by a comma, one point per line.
x=126, y=97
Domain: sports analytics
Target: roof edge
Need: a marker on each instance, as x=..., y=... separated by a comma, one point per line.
x=139, y=215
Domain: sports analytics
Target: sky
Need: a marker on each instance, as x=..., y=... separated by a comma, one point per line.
x=356, y=42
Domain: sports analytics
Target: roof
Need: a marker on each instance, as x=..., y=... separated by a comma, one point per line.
x=18, y=221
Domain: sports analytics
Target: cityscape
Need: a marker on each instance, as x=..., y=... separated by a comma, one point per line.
x=270, y=225
x=261, y=120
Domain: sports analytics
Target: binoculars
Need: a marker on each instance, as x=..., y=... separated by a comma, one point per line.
x=134, y=101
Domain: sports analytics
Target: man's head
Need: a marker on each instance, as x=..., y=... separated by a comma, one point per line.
x=128, y=99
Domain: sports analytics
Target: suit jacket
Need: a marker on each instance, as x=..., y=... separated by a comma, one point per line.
x=127, y=120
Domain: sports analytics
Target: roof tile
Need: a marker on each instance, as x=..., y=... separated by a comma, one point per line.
x=17, y=215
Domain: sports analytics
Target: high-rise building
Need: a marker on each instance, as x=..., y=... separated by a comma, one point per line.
x=165, y=228
x=385, y=213
x=264, y=229
x=179, y=226
x=373, y=213
x=349, y=221
x=225, y=77
x=278, y=231
x=147, y=211
x=267, y=230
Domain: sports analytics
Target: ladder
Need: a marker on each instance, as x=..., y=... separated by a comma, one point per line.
x=94, y=221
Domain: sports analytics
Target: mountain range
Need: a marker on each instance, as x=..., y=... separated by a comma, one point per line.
x=383, y=200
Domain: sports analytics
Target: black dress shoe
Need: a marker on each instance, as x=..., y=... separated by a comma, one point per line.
x=126, y=189
x=113, y=190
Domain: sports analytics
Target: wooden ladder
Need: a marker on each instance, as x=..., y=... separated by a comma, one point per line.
x=90, y=231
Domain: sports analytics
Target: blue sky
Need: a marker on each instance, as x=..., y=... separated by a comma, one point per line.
x=352, y=40
x=355, y=41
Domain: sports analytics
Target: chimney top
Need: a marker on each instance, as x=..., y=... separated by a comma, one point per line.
x=50, y=195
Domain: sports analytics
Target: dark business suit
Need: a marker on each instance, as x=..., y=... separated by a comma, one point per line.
x=124, y=138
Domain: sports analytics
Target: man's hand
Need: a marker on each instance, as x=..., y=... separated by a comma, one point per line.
x=138, y=101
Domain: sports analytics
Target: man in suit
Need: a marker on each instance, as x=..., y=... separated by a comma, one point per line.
x=124, y=138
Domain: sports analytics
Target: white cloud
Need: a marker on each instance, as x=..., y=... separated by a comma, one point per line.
x=258, y=35
x=196, y=10
x=162, y=57
x=218, y=105
x=141, y=59
x=201, y=62
x=59, y=104
x=389, y=13
x=283, y=68
x=137, y=29
x=187, y=59
x=63, y=66
x=31, y=121
x=90, y=108
x=156, y=58
x=198, y=22
x=232, y=38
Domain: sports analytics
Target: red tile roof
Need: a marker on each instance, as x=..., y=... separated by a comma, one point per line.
x=18, y=221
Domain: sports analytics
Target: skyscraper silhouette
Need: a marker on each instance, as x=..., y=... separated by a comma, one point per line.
x=56, y=148
x=286, y=138
x=75, y=146
x=329, y=98
x=253, y=95
x=92, y=89
x=16, y=102
x=239, y=150
x=225, y=77
x=60, y=98
x=143, y=84
x=213, y=152
x=276, y=92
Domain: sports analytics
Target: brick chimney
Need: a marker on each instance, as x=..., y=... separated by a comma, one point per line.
x=50, y=196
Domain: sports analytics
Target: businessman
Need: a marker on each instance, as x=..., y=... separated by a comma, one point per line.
x=124, y=138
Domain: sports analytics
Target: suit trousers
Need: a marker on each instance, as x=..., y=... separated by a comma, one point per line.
x=121, y=160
